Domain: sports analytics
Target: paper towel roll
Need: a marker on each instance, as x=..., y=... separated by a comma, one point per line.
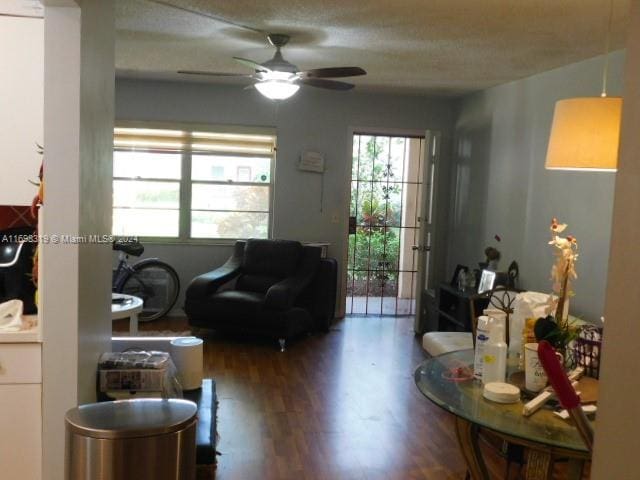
x=186, y=353
x=527, y=305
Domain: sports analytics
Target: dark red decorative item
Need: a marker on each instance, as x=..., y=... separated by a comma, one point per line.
x=567, y=396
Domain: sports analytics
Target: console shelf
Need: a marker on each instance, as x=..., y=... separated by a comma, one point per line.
x=453, y=308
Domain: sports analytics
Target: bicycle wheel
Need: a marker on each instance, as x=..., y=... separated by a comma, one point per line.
x=157, y=284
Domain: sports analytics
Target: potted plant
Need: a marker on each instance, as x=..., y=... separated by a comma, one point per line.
x=557, y=329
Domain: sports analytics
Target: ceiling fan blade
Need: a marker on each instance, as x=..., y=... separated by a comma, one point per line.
x=215, y=74
x=251, y=64
x=206, y=14
x=323, y=83
x=333, y=72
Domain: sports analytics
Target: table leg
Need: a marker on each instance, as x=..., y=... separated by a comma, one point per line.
x=539, y=465
x=467, y=434
x=133, y=324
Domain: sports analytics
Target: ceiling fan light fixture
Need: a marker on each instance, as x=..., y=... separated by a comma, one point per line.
x=277, y=89
x=278, y=79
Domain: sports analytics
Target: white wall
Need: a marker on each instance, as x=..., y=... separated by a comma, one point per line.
x=312, y=120
x=76, y=283
x=618, y=425
x=500, y=186
x=21, y=105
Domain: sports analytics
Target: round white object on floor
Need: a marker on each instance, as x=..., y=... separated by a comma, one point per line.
x=501, y=392
x=186, y=353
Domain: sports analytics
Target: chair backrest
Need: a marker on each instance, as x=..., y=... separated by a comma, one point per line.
x=266, y=262
x=500, y=298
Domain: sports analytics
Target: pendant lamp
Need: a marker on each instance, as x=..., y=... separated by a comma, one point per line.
x=585, y=132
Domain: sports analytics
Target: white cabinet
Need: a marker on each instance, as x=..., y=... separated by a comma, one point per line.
x=20, y=363
x=21, y=427
x=20, y=411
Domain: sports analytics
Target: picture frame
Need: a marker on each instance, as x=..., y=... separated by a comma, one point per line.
x=456, y=273
x=487, y=280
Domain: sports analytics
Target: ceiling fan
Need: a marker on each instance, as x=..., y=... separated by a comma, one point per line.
x=278, y=79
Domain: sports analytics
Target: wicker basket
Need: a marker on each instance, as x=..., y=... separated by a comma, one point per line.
x=586, y=350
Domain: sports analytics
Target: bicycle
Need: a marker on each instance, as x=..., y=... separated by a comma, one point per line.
x=151, y=279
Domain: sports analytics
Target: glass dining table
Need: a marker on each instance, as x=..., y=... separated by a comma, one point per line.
x=445, y=380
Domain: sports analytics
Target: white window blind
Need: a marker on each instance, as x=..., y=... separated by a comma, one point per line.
x=192, y=184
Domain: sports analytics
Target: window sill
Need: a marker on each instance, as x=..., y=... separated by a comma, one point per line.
x=191, y=241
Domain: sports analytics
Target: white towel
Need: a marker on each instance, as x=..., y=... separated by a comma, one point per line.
x=11, y=316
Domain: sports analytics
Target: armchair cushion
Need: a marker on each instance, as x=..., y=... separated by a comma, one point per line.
x=256, y=283
x=276, y=258
x=236, y=305
x=283, y=294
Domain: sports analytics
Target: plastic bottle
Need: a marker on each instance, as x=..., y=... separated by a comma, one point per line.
x=483, y=330
x=494, y=361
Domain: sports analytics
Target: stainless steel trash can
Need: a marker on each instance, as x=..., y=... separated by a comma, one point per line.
x=141, y=439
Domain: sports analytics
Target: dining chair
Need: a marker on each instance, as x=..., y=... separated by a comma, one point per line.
x=500, y=298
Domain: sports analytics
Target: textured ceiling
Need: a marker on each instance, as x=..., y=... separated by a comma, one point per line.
x=27, y=8
x=445, y=47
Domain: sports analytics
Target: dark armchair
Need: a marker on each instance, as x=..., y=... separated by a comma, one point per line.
x=278, y=288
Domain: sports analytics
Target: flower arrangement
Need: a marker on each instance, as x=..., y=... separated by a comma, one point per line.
x=492, y=256
x=557, y=329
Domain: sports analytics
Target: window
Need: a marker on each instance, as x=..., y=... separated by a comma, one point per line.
x=192, y=183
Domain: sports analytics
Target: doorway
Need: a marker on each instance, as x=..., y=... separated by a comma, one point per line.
x=384, y=224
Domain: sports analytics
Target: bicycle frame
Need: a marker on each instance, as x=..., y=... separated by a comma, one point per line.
x=123, y=271
x=140, y=279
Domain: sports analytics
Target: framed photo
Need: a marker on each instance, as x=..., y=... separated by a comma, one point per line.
x=487, y=279
x=456, y=273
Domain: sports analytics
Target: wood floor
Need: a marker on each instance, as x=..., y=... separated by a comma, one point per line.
x=340, y=405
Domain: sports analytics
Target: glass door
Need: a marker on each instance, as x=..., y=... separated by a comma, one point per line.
x=386, y=205
x=424, y=246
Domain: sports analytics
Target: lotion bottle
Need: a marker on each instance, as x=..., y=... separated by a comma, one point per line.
x=494, y=364
x=483, y=330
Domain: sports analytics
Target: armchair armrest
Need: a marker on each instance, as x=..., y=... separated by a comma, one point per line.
x=320, y=295
x=282, y=295
x=207, y=283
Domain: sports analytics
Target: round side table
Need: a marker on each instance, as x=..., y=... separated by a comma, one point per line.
x=126, y=306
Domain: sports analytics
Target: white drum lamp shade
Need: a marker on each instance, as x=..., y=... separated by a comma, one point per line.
x=585, y=134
